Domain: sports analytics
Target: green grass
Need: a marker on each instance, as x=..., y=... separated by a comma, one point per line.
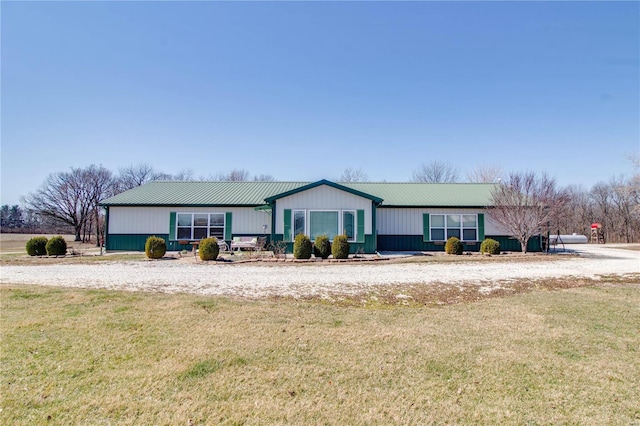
x=104, y=357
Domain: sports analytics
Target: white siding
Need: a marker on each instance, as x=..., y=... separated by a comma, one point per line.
x=408, y=221
x=323, y=197
x=155, y=220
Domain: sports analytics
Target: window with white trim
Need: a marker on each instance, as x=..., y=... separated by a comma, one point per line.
x=324, y=222
x=196, y=226
x=461, y=226
x=349, y=224
x=299, y=222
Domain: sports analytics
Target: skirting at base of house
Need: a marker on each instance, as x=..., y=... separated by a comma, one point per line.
x=416, y=243
x=135, y=242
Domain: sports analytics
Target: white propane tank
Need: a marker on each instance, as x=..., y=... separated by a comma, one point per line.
x=568, y=239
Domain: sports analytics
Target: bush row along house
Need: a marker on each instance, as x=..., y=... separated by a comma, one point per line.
x=374, y=216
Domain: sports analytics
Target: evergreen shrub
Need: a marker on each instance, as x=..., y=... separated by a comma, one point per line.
x=37, y=246
x=490, y=246
x=454, y=246
x=208, y=249
x=340, y=247
x=322, y=247
x=155, y=247
x=302, y=247
x=56, y=246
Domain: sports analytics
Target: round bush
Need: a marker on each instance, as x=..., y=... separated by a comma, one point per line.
x=322, y=247
x=454, y=246
x=209, y=249
x=37, y=246
x=340, y=247
x=490, y=246
x=302, y=247
x=56, y=246
x=155, y=247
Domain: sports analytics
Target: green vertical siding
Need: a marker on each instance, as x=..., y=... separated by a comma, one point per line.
x=133, y=242
x=416, y=243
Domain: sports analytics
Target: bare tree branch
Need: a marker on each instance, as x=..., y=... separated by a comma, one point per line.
x=435, y=172
x=485, y=174
x=71, y=197
x=526, y=204
x=354, y=175
x=235, y=175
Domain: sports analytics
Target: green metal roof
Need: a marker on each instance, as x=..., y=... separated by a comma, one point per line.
x=191, y=193
x=408, y=194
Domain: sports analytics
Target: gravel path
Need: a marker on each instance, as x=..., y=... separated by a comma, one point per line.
x=262, y=280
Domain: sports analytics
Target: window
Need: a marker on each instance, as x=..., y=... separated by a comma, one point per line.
x=195, y=226
x=462, y=226
x=298, y=222
x=349, y=224
x=324, y=222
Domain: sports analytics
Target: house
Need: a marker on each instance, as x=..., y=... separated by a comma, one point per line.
x=374, y=216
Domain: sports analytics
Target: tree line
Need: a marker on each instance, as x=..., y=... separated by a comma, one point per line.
x=69, y=201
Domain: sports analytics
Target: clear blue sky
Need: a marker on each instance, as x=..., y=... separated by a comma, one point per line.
x=302, y=91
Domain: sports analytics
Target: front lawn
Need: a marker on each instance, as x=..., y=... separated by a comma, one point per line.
x=104, y=357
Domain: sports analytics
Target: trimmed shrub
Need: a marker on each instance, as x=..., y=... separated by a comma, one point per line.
x=490, y=246
x=322, y=247
x=302, y=247
x=37, y=246
x=208, y=249
x=454, y=246
x=155, y=247
x=56, y=246
x=340, y=247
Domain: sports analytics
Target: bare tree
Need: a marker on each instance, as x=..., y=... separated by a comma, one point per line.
x=184, y=175
x=526, y=204
x=61, y=198
x=354, y=175
x=435, y=172
x=264, y=178
x=72, y=197
x=485, y=173
x=235, y=175
x=133, y=176
x=99, y=183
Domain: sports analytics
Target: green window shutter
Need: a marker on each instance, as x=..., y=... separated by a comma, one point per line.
x=426, y=237
x=480, y=227
x=287, y=225
x=227, y=226
x=172, y=225
x=360, y=234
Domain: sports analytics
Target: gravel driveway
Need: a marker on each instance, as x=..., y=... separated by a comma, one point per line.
x=256, y=280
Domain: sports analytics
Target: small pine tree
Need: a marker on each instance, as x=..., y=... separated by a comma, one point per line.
x=340, y=247
x=208, y=249
x=302, y=247
x=56, y=246
x=454, y=246
x=322, y=247
x=490, y=246
x=155, y=247
x=37, y=246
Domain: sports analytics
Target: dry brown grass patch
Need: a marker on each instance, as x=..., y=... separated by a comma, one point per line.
x=92, y=357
